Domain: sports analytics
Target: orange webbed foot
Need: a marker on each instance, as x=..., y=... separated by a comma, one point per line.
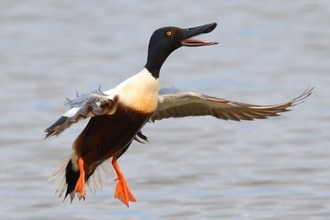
x=80, y=185
x=122, y=191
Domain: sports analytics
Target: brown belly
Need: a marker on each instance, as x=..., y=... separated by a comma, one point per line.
x=106, y=135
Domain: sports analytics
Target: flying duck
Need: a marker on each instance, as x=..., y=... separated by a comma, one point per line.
x=118, y=115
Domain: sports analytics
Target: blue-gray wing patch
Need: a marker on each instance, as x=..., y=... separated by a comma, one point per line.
x=84, y=106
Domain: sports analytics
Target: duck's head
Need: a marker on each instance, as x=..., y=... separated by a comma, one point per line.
x=167, y=39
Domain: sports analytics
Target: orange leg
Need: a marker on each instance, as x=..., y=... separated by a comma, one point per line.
x=122, y=191
x=80, y=185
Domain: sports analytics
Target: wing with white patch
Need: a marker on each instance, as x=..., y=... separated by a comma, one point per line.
x=175, y=104
x=87, y=105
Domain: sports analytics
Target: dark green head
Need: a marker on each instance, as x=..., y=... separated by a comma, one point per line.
x=167, y=39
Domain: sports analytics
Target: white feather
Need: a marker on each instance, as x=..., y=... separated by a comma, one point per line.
x=71, y=112
x=100, y=176
x=59, y=175
x=139, y=91
x=95, y=182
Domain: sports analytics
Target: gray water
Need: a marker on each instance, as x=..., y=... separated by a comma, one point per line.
x=194, y=168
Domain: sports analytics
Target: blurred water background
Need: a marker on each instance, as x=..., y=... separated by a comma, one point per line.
x=194, y=168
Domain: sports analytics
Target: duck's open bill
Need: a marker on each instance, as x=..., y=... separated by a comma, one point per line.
x=197, y=43
x=192, y=32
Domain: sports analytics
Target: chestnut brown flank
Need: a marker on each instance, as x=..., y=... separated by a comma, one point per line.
x=106, y=135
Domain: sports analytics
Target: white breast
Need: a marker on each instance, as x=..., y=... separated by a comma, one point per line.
x=139, y=92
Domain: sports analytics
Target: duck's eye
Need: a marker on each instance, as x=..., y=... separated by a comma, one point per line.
x=169, y=33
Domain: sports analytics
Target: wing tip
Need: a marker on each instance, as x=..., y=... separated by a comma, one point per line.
x=50, y=133
x=301, y=99
x=141, y=138
x=56, y=128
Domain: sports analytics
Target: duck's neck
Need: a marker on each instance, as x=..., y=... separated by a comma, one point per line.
x=156, y=57
x=154, y=63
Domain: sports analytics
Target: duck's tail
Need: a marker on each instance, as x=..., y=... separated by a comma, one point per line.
x=67, y=173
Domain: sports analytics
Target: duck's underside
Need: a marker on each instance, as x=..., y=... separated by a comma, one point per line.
x=104, y=137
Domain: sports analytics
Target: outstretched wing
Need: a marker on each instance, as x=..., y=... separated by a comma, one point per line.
x=175, y=104
x=84, y=106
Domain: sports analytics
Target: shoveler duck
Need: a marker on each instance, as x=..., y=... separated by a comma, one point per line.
x=118, y=115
